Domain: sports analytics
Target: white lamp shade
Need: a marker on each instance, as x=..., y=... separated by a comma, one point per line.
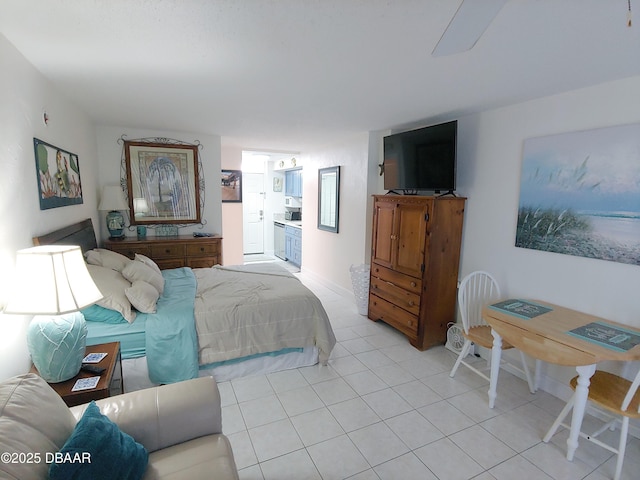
x=112, y=198
x=51, y=280
x=140, y=206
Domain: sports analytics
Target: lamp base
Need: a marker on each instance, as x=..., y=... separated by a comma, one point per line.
x=115, y=224
x=57, y=345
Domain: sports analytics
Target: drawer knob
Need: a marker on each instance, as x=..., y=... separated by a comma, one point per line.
x=413, y=284
x=202, y=249
x=411, y=304
x=167, y=251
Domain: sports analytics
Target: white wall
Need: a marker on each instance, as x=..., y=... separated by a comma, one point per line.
x=326, y=255
x=24, y=95
x=232, y=227
x=489, y=163
x=110, y=152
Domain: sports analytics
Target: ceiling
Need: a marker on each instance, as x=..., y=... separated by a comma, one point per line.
x=291, y=74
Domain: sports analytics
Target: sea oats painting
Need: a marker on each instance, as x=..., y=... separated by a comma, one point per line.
x=580, y=194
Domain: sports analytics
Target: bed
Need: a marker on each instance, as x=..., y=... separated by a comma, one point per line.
x=224, y=321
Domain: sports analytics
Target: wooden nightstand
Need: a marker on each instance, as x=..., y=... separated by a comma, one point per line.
x=110, y=383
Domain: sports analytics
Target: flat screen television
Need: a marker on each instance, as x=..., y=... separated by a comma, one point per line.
x=422, y=159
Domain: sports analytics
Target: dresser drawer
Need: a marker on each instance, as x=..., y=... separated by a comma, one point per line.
x=166, y=263
x=401, y=280
x=131, y=250
x=167, y=250
x=380, y=309
x=398, y=296
x=203, y=262
x=203, y=249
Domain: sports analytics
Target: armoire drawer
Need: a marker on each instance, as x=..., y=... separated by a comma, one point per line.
x=401, y=280
x=380, y=309
x=398, y=296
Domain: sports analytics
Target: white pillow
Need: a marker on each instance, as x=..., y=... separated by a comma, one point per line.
x=93, y=257
x=147, y=261
x=139, y=271
x=143, y=296
x=107, y=258
x=112, y=285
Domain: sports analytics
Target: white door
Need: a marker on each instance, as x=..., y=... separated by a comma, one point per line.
x=253, y=212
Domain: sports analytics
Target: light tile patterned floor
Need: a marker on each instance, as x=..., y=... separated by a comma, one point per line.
x=383, y=410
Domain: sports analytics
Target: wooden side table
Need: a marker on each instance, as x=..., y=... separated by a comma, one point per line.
x=110, y=383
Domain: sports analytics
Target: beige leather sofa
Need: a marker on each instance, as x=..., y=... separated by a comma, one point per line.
x=180, y=425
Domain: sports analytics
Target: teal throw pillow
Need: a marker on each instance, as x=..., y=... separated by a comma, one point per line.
x=98, y=449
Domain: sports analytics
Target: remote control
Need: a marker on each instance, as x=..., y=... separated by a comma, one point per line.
x=92, y=369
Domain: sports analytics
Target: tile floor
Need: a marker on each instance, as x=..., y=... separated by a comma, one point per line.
x=383, y=410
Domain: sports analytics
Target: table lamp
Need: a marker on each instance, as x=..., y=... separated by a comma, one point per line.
x=53, y=283
x=113, y=201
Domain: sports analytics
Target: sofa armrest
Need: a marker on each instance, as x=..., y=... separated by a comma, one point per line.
x=162, y=416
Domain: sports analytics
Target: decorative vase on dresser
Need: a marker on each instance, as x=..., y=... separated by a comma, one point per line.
x=415, y=254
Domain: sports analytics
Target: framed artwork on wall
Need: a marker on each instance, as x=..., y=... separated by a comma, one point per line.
x=58, y=176
x=163, y=182
x=231, y=184
x=580, y=195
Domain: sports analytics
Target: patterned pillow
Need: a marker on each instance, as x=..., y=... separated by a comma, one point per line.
x=102, y=451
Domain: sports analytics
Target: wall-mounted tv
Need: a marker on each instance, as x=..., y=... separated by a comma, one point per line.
x=422, y=159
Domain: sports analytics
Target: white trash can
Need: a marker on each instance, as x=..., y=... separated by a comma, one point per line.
x=360, y=282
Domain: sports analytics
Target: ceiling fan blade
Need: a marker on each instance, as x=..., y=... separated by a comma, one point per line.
x=467, y=26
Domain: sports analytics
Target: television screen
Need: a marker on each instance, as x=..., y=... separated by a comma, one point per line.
x=423, y=159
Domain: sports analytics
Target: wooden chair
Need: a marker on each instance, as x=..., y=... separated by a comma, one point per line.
x=477, y=290
x=619, y=398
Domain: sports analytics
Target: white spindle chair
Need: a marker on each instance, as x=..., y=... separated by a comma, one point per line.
x=619, y=398
x=477, y=290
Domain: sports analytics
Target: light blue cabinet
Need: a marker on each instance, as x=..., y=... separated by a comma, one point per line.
x=293, y=244
x=293, y=183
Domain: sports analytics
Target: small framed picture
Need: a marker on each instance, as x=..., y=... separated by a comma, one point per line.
x=277, y=184
x=231, y=184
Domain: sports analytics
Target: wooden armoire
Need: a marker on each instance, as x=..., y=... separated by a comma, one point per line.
x=415, y=254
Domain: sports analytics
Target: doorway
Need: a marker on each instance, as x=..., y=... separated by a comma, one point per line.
x=253, y=213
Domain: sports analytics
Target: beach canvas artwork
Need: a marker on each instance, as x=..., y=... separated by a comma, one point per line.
x=580, y=194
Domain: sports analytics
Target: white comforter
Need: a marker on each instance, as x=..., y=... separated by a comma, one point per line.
x=249, y=309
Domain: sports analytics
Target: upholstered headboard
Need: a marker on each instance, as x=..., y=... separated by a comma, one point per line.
x=80, y=233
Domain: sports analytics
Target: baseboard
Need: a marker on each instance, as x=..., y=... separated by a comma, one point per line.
x=334, y=287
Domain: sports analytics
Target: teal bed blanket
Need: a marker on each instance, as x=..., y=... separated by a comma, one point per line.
x=170, y=342
x=171, y=339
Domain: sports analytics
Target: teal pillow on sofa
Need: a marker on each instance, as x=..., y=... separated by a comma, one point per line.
x=98, y=449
